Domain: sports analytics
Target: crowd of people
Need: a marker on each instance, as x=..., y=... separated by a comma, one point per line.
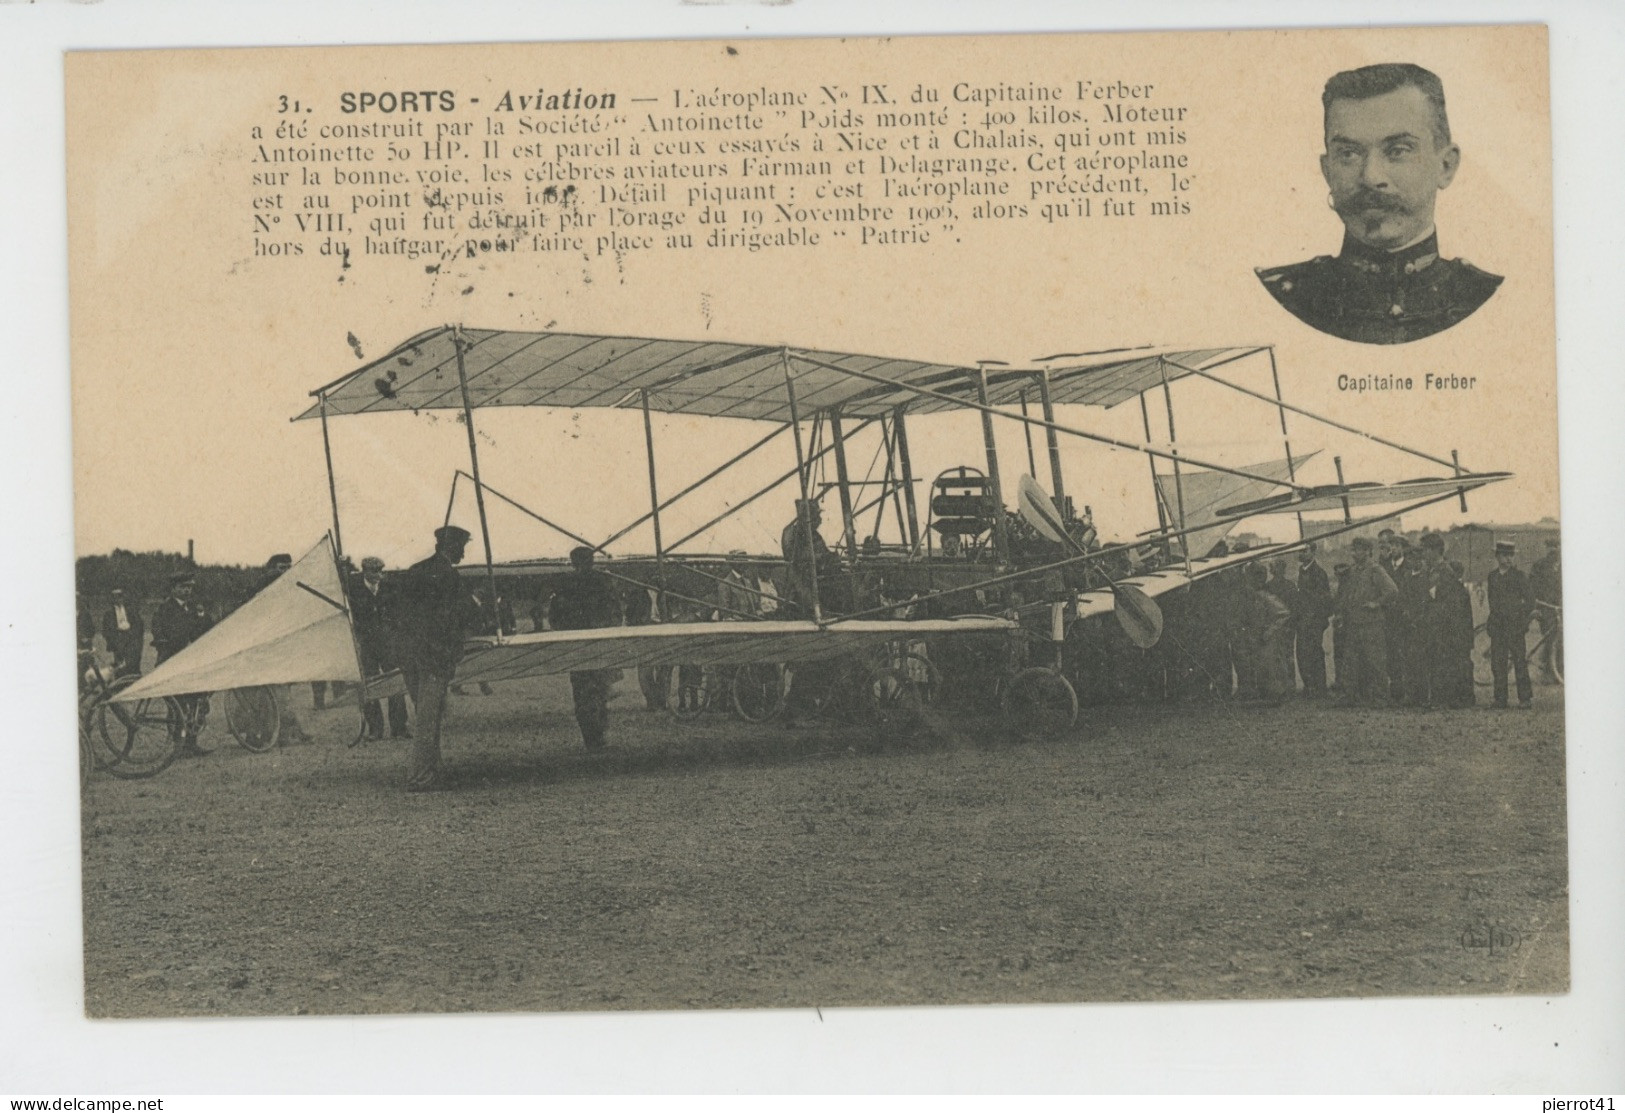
x=1399, y=619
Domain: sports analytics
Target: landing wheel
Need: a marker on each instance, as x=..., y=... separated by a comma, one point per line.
x=758, y=692
x=139, y=738
x=895, y=701
x=254, y=718
x=1040, y=704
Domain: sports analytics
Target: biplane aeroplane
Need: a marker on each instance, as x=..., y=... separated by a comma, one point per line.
x=971, y=568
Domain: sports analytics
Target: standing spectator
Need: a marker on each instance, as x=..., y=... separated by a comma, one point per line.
x=1287, y=592
x=1416, y=588
x=1340, y=635
x=370, y=610
x=1546, y=581
x=86, y=628
x=490, y=621
x=1394, y=559
x=586, y=600
x=1512, y=605
x=654, y=681
x=292, y=729
x=737, y=594
x=1450, y=631
x=807, y=559
x=433, y=614
x=1366, y=596
x=1310, y=613
x=1264, y=623
x=125, y=635
x=176, y=624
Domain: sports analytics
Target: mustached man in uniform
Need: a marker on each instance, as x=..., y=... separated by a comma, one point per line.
x=1388, y=154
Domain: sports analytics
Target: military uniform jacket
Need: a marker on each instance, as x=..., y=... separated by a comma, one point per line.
x=433, y=610
x=1449, y=615
x=584, y=601
x=1512, y=604
x=1372, y=296
x=1313, y=605
x=176, y=625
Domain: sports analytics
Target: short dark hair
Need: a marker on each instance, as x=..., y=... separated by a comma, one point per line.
x=1373, y=81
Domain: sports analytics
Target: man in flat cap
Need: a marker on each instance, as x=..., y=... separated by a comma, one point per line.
x=1546, y=581
x=291, y=729
x=125, y=635
x=176, y=624
x=1512, y=605
x=370, y=610
x=587, y=600
x=434, y=613
x=1388, y=154
x=1365, y=596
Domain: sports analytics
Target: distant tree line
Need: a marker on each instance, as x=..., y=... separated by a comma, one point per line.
x=221, y=588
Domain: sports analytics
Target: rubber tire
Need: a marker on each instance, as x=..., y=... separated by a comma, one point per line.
x=254, y=718
x=895, y=703
x=1040, y=704
x=142, y=738
x=751, y=693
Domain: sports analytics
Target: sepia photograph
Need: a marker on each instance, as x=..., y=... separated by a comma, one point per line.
x=794, y=526
x=1388, y=155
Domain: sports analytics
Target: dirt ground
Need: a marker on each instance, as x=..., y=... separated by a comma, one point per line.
x=1159, y=853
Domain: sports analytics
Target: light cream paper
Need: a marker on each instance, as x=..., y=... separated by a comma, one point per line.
x=249, y=226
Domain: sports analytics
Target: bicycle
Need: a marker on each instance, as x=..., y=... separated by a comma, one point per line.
x=753, y=693
x=1546, y=652
x=138, y=738
x=891, y=689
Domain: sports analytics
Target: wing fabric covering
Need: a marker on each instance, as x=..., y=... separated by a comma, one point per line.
x=702, y=643
x=1206, y=492
x=285, y=634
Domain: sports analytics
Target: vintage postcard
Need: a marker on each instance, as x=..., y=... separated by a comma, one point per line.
x=789, y=523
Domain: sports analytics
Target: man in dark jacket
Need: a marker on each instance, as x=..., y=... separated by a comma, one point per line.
x=1313, y=609
x=177, y=623
x=125, y=635
x=1450, y=633
x=371, y=611
x=586, y=600
x=1416, y=587
x=434, y=613
x=1286, y=591
x=1512, y=604
x=1365, y=596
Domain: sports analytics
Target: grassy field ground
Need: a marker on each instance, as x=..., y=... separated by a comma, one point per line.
x=1159, y=853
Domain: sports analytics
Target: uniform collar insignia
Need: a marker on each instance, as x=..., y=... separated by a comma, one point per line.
x=1374, y=260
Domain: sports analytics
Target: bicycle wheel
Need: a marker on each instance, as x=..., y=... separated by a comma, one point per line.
x=1039, y=703
x=254, y=718
x=141, y=737
x=758, y=692
x=87, y=754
